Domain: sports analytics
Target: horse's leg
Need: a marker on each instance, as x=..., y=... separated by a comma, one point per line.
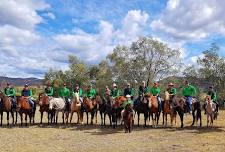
x=166, y=119
x=200, y=116
x=1, y=117
x=101, y=118
x=16, y=117
x=33, y=116
x=138, y=118
x=41, y=116
x=110, y=119
x=63, y=116
x=12, y=114
x=193, y=116
x=48, y=117
x=207, y=120
x=87, y=117
x=181, y=114
x=96, y=116
x=146, y=118
x=7, y=117
x=78, y=117
x=26, y=119
x=71, y=116
x=56, y=117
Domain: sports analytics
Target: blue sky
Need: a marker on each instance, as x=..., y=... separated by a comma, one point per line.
x=36, y=35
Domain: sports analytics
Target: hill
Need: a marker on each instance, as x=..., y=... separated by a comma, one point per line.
x=21, y=81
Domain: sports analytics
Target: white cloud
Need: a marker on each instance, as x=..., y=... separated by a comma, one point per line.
x=49, y=15
x=191, y=19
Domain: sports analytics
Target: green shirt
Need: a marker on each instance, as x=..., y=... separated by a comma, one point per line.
x=80, y=93
x=125, y=103
x=146, y=90
x=212, y=94
x=64, y=92
x=172, y=91
x=91, y=93
x=189, y=91
x=10, y=92
x=49, y=91
x=155, y=91
x=115, y=93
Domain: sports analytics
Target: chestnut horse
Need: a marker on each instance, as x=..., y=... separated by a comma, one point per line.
x=44, y=106
x=90, y=106
x=75, y=107
x=6, y=106
x=154, y=109
x=23, y=107
x=128, y=118
x=117, y=109
x=167, y=109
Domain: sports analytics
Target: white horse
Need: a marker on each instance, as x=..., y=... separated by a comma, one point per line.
x=57, y=105
x=210, y=110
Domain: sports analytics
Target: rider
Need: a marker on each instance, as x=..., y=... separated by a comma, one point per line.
x=188, y=92
x=129, y=91
x=129, y=102
x=172, y=92
x=10, y=92
x=142, y=91
x=106, y=93
x=79, y=91
x=115, y=92
x=49, y=90
x=26, y=92
x=91, y=92
x=155, y=91
x=65, y=93
x=213, y=96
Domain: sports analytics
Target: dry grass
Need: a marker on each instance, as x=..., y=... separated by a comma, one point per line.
x=72, y=137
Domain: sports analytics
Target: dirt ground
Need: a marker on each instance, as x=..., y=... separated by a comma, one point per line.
x=91, y=138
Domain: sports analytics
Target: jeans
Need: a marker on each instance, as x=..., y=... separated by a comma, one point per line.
x=189, y=103
x=81, y=99
x=13, y=100
x=31, y=102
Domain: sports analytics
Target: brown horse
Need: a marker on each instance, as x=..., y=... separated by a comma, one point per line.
x=75, y=107
x=90, y=106
x=44, y=106
x=179, y=107
x=128, y=118
x=23, y=107
x=6, y=106
x=210, y=111
x=167, y=109
x=117, y=109
x=154, y=109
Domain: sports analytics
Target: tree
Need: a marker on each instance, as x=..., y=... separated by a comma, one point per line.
x=146, y=59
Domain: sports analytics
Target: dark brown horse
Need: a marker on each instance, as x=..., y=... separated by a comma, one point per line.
x=23, y=107
x=179, y=107
x=90, y=106
x=128, y=118
x=44, y=106
x=106, y=108
x=196, y=112
x=6, y=106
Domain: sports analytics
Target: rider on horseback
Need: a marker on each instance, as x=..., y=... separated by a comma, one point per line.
x=155, y=91
x=65, y=94
x=79, y=91
x=49, y=90
x=10, y=92
x=128, y=105
x=26, y=92
x=91, y=92
x=115, y=92
x=188, y=92
x=129, y=91
x=142, y=91
x=172, y=92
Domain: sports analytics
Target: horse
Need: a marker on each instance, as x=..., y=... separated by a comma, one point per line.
x=6, y=106
x=90, y=106
x=57, y=105
x=142, y=107
x=128, y=118
x=106, y=108
x=23, y=107
x=117, y=109
x=154, y=109
x=179, y=107
x=210, y=110
x=196, y=112
x=167, y=109
x=44, y=106
x=75, y=107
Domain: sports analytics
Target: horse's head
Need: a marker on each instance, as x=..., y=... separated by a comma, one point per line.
x=76, y=98
x=208, y=99
x=43, y=99
x=98, y=99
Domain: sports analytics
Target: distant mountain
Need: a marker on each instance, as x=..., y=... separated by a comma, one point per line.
x=21, y=81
